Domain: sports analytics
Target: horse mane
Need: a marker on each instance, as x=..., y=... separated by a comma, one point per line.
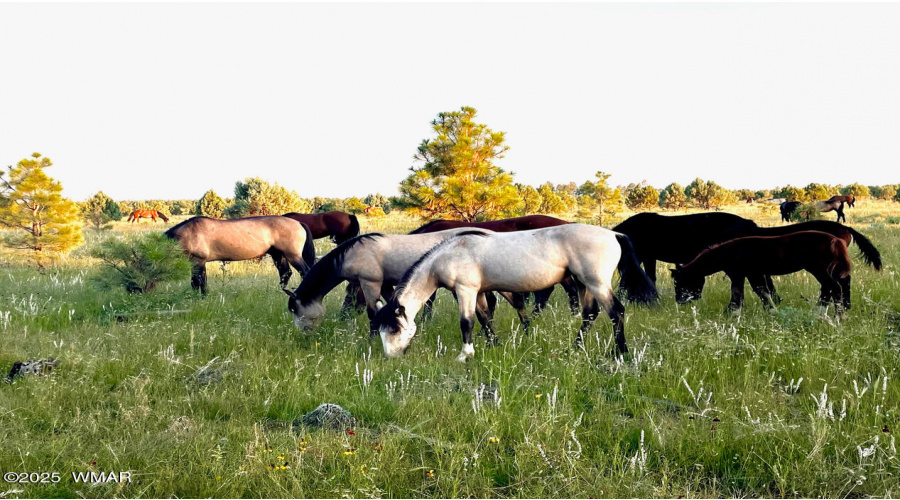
x=407, y=276
x=171, y=231
x=428, y=225
x=323, y=273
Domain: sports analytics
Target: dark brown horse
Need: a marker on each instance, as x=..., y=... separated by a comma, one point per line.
x=525, y=223
x=289, y=242
x=146, y=214
x=755, y=257
x=339, y=226
x=836, y=203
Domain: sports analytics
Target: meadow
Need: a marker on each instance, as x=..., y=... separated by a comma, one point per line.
x=202, y=397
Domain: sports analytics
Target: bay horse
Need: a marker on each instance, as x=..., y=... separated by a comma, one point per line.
x=146, y=214
x=471, y=263
x=870, y=255
x=339, y=226
x=503, y=226
x=754, y=257
x=289, y=242
x=836, y=203
x=375, y=263
x=788, y=208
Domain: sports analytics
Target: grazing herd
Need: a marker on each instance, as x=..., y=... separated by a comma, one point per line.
x=515, y=257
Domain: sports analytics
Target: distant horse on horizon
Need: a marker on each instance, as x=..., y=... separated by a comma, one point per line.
x=836, y=203
x=142, y=213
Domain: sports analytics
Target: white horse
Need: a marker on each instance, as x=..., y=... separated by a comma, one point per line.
x=524, y=261
x=376, y=262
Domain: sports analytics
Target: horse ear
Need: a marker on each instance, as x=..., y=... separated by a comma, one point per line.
x=678, y=266
x=672, y=271
x=289, y=293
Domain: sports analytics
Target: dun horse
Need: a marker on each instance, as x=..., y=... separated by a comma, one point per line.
x=339, y=226
x=472, y=263
x=755, y=257
x=146, y=214
x=289, y=242
x=375, y=262
x=836, y=203
x=504, y=226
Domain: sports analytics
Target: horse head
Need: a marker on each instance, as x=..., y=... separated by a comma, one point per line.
x=396, y=329
x=306, y=316
x=687, y=286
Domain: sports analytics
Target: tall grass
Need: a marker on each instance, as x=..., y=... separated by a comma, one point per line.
x=202, y=397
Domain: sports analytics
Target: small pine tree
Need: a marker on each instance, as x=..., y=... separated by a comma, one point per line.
x=642, y=198
x=255, y=196
x=672, y=197
x=140, y=264
x=531, y=199
x=210, y=205
x=99, y=210
x=551, y=203
x=31, y=203
x=706, y=193
x=856, y=189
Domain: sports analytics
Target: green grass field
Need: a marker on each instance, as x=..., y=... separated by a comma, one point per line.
x=201, y=397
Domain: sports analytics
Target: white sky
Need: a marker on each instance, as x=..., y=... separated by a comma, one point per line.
x=169, y=100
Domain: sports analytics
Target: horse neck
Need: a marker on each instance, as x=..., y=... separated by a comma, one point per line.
x=416, y=291
x=317, y=283
x=708, y=262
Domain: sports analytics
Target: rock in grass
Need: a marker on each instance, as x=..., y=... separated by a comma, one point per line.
x=37, y=367
x=329, y=416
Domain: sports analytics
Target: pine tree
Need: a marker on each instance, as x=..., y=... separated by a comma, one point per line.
x=672, y=197
x=255, y=196
x=706, y=193
x=99, y=210
x=210, y=205
x=459, y=178
x=32, y=205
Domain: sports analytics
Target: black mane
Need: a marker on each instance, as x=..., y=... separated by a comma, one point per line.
x=171, y=231
x=324, y=273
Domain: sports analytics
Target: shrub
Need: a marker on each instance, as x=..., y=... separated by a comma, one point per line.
x=140, y=264
x=806, y=211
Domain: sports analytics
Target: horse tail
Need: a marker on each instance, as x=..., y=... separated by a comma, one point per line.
x=352, y=231
x=867, y=250
x=633, y=279
x=309, y=249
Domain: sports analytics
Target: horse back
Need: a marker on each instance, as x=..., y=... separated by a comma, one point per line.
x=785, y=254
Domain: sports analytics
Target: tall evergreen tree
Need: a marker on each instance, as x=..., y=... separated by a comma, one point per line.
x=31, y=203
x=458, y=178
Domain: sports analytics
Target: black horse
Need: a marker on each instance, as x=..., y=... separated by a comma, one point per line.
x=788, y=208
x=678, y=239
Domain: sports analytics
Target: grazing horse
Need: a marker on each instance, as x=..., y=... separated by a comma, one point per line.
x=524, y=261
x=836, y=203
x=870, y=255
x=788, y=208
x=289, y=242
x=339, y=226
x=504, y=226
x=754, y=257
x=679, y=238
x=375, y=263
x=146, y=214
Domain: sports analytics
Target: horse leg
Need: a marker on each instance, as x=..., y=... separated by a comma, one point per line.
x=770, y=286
x=845, y=291
x=572, y=291
x=737, y=294
x=541, y=298
x=759, y=284
x=840, y=214
x=198, y=277
x=650, y=268
x=428, y=308
x=282, y=265
x=517, y=301
x=354, y=300
x=829, y=291
x=484, y=311
x=372, y=291
x=467, y=299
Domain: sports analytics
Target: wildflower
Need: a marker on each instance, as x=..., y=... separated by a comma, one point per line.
x=351, y=432
x=716, y=419
x=270, y=467
x=218, y=478
x=285, y=466
x=267, y=449
x=302, y=449
x=713, y=428
x=318, y=344
x=538, y=396
x=241, y=467
x=280, y=457
x=377, y=447
x=350, y=451
x=495, y=440
x=430, y=473
x=364, y=469
x=885, y=429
